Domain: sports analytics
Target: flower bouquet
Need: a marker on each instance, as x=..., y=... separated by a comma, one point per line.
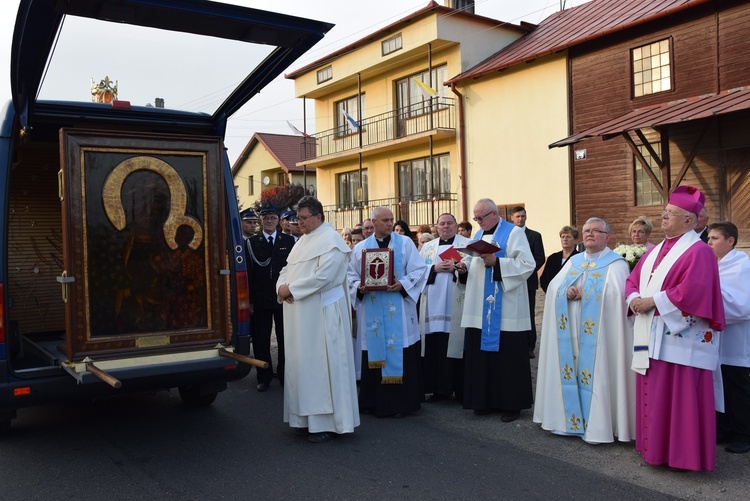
x=631, y=253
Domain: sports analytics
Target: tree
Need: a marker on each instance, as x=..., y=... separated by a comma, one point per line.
x=283, y=197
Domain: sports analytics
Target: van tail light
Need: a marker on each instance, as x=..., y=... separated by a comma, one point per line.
x=243, y=297
x=2, y=313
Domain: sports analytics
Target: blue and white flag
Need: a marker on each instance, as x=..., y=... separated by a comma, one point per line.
x=352, y=123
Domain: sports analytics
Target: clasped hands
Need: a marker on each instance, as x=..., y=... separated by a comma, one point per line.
x=285, y=294
x=574, y=293
x=642, y=305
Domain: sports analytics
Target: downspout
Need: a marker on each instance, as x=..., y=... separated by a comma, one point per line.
x=571, y=153
x=462, y=152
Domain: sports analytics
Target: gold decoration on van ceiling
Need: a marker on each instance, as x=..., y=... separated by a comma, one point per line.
x=113, y=203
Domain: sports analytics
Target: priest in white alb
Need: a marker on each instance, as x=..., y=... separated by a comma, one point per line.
x=320, y=393
x=585, y=386
x=441, y=309
x=387, y=325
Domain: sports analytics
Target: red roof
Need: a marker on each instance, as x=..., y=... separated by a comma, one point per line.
x=570, y=27
x=286, y=149
x=673, y=112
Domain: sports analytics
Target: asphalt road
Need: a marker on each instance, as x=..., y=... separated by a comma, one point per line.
x=153, y=447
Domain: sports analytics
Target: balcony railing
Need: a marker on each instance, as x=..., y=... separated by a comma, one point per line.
x=414, y=212
x=437, y=113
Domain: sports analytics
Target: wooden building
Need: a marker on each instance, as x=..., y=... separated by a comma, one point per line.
x=660, y=99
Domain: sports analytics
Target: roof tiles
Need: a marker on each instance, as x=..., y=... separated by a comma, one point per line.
x=570, y=27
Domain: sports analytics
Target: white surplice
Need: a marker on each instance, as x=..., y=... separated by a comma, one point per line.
x=412, y=282
x=319, y=386
x=612, y=410
x=442, y=303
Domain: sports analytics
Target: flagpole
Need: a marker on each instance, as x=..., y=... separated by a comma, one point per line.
x=304, y=130
x=429, y=70
x=359, y=107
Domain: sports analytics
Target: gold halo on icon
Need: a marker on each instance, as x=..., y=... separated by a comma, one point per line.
x=111, y=197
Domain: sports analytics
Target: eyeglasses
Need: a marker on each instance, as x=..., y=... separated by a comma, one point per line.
x=479, y=219
x=595, y=231
x=668, y=214
x=269, y=217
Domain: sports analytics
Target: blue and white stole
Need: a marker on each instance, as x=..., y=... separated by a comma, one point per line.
x=384, y=321
x=493, y=296
x=577, y=386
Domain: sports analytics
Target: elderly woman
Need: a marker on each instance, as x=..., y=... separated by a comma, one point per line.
x=555, y=262
x=423, y=239
x=640, y=230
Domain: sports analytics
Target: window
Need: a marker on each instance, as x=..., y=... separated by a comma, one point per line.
x=325, y=74
x=652, y=71
x=418, y=180
x=391, y=45
x=250, y=186
x=348, y=106
x=412, y=100
x=281, y=179
x=646, y=192
x=350, y=192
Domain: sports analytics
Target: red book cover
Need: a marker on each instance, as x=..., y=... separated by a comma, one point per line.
x=450, y=254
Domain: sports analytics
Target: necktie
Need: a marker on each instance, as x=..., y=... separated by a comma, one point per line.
x=270, y=241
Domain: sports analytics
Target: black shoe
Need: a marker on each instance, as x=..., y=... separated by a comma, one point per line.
x=482, y=412
x=301, y=432
x=262, y=387
x=319, y=438
x=509, y=417
x=531, y=354
x=738, y=447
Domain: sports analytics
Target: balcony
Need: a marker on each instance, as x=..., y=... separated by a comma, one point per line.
x=436, y=115
x=426, y=210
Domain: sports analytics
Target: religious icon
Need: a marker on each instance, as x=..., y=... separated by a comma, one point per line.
x=377, y=269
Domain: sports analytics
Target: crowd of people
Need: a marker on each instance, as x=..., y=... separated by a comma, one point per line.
x=651, y=344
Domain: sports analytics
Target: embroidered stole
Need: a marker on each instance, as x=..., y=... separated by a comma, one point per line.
x=577, y=385
x=651, y=281
x=384, y=321
x=493, y=296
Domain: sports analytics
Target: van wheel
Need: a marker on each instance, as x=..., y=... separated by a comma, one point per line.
x=192, y=396
x=4, y=427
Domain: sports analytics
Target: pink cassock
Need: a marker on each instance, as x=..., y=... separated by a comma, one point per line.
x=675, y=417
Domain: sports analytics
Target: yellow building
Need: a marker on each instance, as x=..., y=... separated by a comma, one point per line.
x=387, y=127
x=509, y=118
x=270, y=160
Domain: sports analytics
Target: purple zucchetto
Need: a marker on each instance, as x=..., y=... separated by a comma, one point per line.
x=688, y=198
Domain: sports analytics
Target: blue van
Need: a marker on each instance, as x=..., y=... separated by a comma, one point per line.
x=121, y=255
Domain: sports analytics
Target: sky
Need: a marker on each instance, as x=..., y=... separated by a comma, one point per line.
x=270, y=110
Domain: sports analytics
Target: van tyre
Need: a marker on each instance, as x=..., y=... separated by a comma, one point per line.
x=4, y=427
x=194, y=397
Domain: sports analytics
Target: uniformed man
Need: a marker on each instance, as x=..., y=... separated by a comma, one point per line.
x=267, y=253
x=249, y=223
